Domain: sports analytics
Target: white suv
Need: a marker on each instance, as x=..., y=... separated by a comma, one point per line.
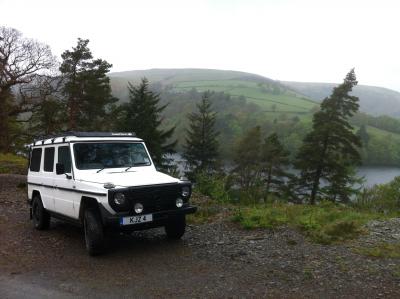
x=103, y=180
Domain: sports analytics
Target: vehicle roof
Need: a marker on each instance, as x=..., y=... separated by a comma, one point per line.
x=85, y=136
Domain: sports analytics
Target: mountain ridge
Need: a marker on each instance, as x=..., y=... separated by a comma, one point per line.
x=259, y=89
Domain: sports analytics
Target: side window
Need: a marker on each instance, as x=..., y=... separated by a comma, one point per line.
x=36, y=157
x=64, y=157
x=48, y=159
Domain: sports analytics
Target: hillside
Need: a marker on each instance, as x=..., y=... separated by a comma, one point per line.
x=373, y=100
x=271, y=95
x=244, y=100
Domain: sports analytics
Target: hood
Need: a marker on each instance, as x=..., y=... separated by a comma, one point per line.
x=127, y=179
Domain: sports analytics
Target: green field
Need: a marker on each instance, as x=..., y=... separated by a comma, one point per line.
x=270, y=95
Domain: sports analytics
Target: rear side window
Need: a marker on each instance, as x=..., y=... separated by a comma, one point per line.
x=64, y=157
x=35, y=159
x=48, y=159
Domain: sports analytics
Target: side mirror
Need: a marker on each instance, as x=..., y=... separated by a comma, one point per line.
x=60, y=169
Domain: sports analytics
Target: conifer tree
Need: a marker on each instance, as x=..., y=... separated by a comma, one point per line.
x=201, y=149
x=142, y=115
x=47, y=118
x=247, y=169
x=274, y=160
x=331, y=150
x=363, y=134
x=87, y=88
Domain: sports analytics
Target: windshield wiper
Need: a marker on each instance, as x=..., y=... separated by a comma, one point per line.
x=137, y=164
x=100, y=169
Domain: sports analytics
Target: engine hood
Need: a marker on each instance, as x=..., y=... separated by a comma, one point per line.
x=124, y=179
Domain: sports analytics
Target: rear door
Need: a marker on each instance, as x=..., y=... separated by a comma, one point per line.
x=48, y=178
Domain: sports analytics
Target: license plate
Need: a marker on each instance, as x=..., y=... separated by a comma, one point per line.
x=136, y=219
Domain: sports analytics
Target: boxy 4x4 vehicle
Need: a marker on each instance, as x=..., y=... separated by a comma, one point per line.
x=103, y=181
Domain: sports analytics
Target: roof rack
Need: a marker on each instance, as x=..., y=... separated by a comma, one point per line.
x=85, y=134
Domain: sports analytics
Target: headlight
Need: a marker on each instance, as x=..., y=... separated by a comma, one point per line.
x=185, y=191
x=119, y=198
x=138, y=208
x=179, y=202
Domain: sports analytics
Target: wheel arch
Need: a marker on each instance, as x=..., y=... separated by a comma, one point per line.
x=35, y=193
x=87, y=202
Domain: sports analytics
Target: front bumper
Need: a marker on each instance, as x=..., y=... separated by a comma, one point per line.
x=160, y=218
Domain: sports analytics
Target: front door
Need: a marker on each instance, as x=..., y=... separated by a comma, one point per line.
x=64, y=184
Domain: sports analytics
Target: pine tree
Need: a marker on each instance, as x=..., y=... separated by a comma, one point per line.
x=142, y=115
x=201, y=149
x=331, y=150
x=247, y=169
x=47, y=118
x=274, y=160
x=87, y=88
x=363, y=134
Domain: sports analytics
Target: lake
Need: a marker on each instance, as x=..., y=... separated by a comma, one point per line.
x=378, y=175
x=373, y=174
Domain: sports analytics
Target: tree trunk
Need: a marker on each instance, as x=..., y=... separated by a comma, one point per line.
x=4, y=123
x=315, y=186
x=269, y=180
x=318, y=173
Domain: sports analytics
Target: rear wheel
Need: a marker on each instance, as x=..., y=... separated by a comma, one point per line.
x=40, y=217
x=175, y=228
x=94, y=232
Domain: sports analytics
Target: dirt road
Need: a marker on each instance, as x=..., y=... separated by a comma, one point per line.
x=213, y=260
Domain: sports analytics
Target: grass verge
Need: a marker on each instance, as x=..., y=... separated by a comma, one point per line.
x=325, y=223
x=10, y=163
x=381, y=250
x=207, y=209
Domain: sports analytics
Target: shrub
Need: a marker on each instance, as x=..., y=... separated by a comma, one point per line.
x=214, y=186
x=384, y=198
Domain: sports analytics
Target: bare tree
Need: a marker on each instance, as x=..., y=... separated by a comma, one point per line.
x=23, y=62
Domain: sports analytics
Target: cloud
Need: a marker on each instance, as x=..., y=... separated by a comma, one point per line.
x=285, y=40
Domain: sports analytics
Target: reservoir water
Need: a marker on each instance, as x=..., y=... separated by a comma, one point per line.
x=372, y=174
x=377, y=175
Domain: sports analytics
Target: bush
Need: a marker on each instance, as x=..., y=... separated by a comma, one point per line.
x=10, y=163
x=383, y=198
x=214, y=186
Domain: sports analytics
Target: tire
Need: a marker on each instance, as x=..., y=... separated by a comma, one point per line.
x=94, y=232
x=40, y=217
x=175, y=228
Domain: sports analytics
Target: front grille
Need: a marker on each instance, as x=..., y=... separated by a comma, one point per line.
x=154, y=198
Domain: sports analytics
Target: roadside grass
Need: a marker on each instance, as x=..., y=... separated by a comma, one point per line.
x=207, y=209
x=10, y=163
x=381, y=250
x=325, y=223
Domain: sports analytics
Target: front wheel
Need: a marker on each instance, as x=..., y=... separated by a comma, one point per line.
x=94, y=233
x=40, y=217
x=175, y=228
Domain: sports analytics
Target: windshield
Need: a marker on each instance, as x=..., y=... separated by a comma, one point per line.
x=110, y=155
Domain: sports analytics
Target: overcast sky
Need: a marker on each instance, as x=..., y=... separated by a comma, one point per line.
x=304, y=40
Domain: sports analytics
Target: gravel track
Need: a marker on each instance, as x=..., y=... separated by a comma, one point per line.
x=213, y=260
